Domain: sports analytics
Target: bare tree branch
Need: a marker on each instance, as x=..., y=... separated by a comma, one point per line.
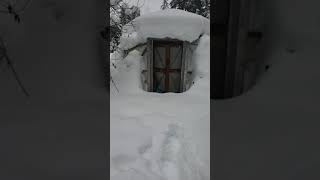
x=23, y=7
x=10, y=64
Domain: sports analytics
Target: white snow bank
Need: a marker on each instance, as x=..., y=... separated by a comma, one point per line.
x=169, y=23
x=160, y=136
x=172, y=23
x=130, y=40
x=126, y=73
x=202, y=57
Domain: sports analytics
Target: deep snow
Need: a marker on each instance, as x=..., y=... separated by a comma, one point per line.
x=160, y=136
x=168, y=23
x=172, y=23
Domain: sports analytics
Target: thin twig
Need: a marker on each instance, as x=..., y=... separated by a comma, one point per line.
x=14, y=8
x=16, y=76
x=24, y=7
x=9, y=62
x=114, y=83
x=135, y=47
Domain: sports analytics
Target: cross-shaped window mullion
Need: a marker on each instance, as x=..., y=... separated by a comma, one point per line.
x=159, y=83
x=175, y=59
x=161, y=60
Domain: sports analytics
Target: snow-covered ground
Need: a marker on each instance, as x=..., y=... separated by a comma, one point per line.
x=160, y=136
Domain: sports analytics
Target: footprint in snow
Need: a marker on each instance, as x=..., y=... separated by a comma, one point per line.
x=177, y=161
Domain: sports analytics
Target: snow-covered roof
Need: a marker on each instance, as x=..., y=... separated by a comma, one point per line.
x=169, y=23
x=172, y=23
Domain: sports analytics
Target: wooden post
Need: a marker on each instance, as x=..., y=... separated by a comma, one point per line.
x=167, y=72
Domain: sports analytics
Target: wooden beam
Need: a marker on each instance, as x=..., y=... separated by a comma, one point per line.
x=133, y=48
x=167, y=79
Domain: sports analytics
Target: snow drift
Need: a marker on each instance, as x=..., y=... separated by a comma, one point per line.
x=172, y=23
x=160, y=136
x=169, y=23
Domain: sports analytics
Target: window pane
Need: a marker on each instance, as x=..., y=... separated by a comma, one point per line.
x=175, y=57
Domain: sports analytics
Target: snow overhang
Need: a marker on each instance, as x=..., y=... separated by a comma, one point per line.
x=172, y=23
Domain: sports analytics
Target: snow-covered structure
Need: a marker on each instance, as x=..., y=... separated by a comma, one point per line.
x=167, y=65
x=170, y=38
x=150, y=138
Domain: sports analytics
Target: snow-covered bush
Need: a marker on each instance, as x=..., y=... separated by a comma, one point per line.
x=201, y=7
x=120, y=15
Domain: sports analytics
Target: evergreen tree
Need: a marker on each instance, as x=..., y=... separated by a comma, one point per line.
x=128, y=13
x=201, y=7
x=165, y=5
x=120, y=15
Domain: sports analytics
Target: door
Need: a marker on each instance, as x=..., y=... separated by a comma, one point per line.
x=167, y=66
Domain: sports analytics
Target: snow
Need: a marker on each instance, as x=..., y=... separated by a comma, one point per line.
x=113, y=2
x=130, y=40
x=169, y=23
x=160, y=136
x=172, y=23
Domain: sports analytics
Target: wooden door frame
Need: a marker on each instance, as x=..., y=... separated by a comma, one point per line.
x=152, y=42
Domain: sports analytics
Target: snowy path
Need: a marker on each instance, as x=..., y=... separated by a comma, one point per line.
x=154, y=143
x=160, y=136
